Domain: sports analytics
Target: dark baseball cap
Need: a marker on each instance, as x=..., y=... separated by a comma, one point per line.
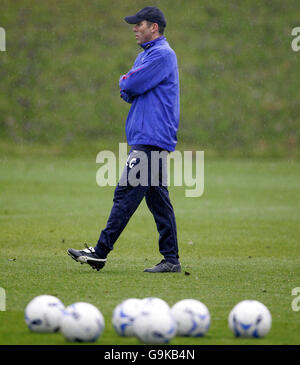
x=150, y=13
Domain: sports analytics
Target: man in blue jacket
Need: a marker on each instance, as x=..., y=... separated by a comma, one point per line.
x=152, y=89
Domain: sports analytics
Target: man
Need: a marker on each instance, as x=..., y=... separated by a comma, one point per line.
x=152, y=87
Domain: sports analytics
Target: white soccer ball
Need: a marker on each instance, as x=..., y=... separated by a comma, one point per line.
x=250, y=318
x=82, y=322
x=154, y=326
x=44, y=313
x=155, y=303
x=124, y=315
x=192, y=318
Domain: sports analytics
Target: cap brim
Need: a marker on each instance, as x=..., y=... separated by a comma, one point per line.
x=133, y=19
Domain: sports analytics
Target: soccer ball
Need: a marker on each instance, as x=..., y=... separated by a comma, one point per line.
x=250, y=318
x=156, y=303
x=124, y=315
x=192, y=317
x=43, y=314
x=82, y=322
x=154, y=326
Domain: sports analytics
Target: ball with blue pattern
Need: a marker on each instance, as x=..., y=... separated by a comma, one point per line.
x=192, y=317
x=154, y=326
x=82, y=322
x=124, y=315
x=43, y=314
x=250, y=318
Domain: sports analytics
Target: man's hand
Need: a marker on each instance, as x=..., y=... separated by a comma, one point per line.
x=126, y=97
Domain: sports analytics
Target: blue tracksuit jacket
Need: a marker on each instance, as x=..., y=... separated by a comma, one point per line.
x=152, y=86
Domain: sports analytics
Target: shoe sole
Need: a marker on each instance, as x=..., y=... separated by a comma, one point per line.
x=162, y=271
x=96, y=265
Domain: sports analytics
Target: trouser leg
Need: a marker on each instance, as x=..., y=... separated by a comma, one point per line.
x=127, y=198
x=158, y=201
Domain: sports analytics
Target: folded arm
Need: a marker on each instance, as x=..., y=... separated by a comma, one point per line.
x=146, y=76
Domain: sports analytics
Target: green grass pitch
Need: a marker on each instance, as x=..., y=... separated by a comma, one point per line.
x=240, y=240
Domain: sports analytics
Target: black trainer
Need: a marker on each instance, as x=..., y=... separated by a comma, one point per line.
x=164, y=266
x=87, y=256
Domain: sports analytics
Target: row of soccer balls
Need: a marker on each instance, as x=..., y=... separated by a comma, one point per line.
x=151, y=319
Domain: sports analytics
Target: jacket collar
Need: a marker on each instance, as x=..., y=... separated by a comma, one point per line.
x=147, y=45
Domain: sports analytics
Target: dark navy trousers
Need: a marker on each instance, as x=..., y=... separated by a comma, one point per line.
x=143, y=176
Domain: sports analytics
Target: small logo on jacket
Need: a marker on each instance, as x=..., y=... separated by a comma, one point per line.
x=131, y=163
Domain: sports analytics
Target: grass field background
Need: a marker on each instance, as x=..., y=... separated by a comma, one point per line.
x=238, y=73
x=240, y=240
x=60, y=106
